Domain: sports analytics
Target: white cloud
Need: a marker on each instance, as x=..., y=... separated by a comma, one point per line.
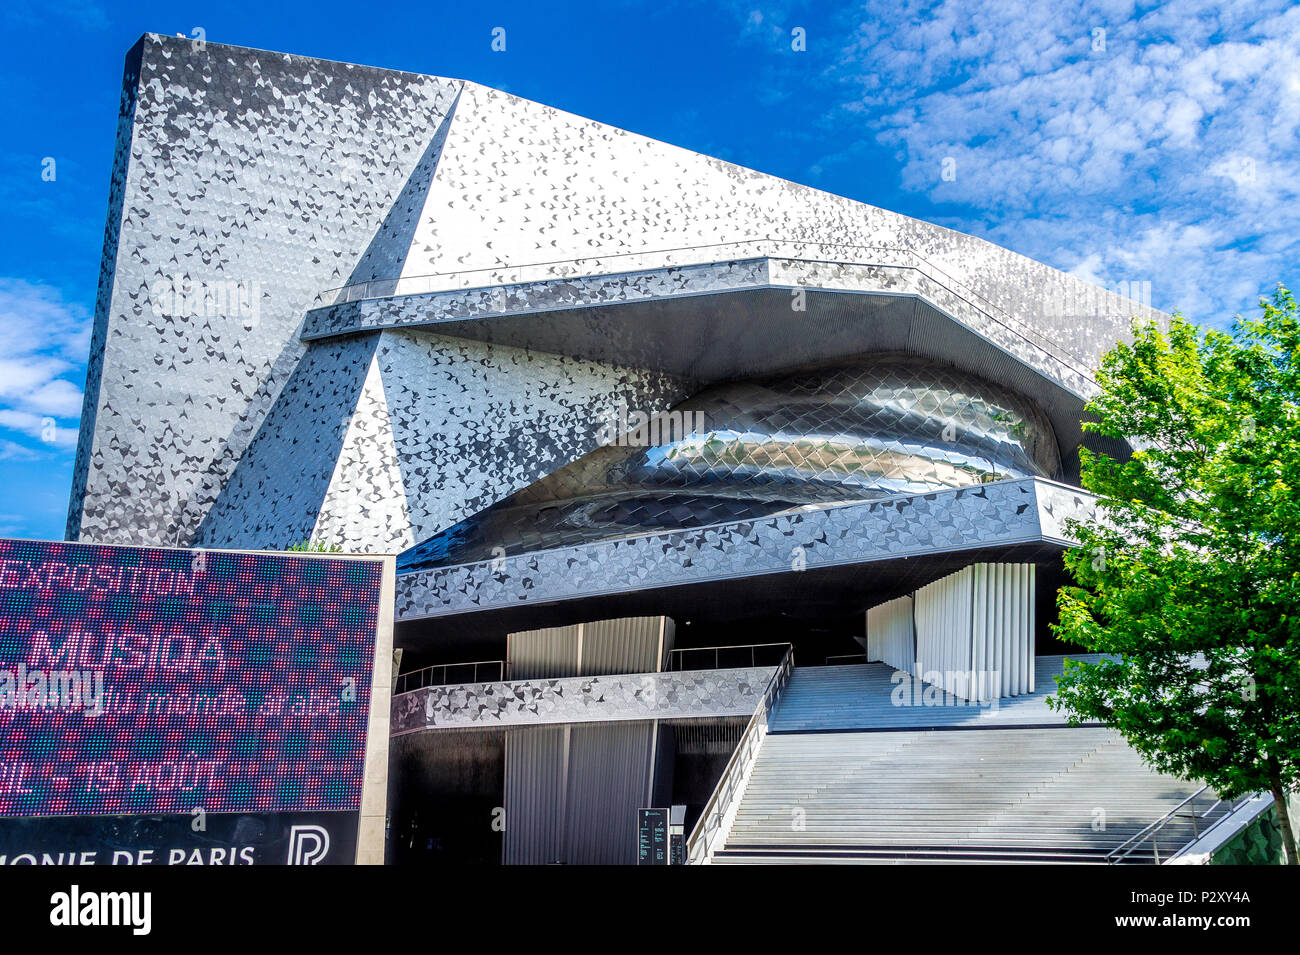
x=59, y=397
x=13, y=451
x=43, y=346
x=43, y=428
x=1165, y=149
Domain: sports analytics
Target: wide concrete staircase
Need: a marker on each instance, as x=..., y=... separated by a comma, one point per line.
x=1008, y=794
x=867, y=696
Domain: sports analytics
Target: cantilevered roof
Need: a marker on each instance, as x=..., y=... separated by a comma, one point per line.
x=879, y=537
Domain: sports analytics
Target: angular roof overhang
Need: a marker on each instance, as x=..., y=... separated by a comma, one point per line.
x=877, y=549
x=716, y=321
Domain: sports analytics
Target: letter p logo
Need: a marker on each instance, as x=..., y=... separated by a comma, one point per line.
x=307, y=845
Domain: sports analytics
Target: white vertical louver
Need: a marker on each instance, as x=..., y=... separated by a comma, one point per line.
x=943, y=632
x=622, y=645
x=975, y=631
x=889, y=634
x=548, y=652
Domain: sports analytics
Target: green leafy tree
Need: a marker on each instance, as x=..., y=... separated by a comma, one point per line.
x=1190, y=572
x=315, y=547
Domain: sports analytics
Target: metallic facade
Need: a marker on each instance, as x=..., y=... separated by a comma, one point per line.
x=750, y=449
x=590, y=699
x=1004, y=514
x=571, y=791
x=248, y=424
x=409, y=314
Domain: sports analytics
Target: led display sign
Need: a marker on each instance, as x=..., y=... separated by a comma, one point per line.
x=145, y=680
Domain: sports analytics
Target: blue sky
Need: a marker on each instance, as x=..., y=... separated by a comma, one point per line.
x=1121, y=142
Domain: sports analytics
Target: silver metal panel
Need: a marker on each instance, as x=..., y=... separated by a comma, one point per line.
x=292, y=176
x=626, y=645
x=572, y=792
x=885, y=426
x=675, y=695
x=611, y=775
x=242, y=166
x=620, y=645
x=487, y=304
x=990, y=515
x=535, y=782
x=549, y=652
x=392, y=438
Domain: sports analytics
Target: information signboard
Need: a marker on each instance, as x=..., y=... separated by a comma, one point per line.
x=652, y=836
x=156, y=682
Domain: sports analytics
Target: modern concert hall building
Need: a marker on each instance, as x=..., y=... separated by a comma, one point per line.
x=709, y=491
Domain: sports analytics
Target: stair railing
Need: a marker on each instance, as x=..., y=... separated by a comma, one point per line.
x=678, y=658
x=712, y=822
x=437, y=674
x=1184, y=810
x=1240, y=803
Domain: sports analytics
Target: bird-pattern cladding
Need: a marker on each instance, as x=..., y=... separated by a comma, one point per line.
x=871, y=429
x=247, y=184
x=1008, y=512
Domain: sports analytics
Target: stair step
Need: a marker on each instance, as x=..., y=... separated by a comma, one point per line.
x=1006, y=795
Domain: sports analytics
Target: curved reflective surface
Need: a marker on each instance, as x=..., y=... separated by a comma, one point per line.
x=747, y=449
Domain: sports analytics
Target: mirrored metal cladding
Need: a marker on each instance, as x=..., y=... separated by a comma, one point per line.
x=746, y=449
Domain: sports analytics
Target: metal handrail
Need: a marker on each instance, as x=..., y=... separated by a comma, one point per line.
x=404, y=679
x=321, y=297
x=1152, y=831
x=753, y=648
x=388, y=287
x=699, y=847
x=1237, y=804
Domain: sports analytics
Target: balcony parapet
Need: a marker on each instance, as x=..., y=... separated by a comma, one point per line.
x=582, y=699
